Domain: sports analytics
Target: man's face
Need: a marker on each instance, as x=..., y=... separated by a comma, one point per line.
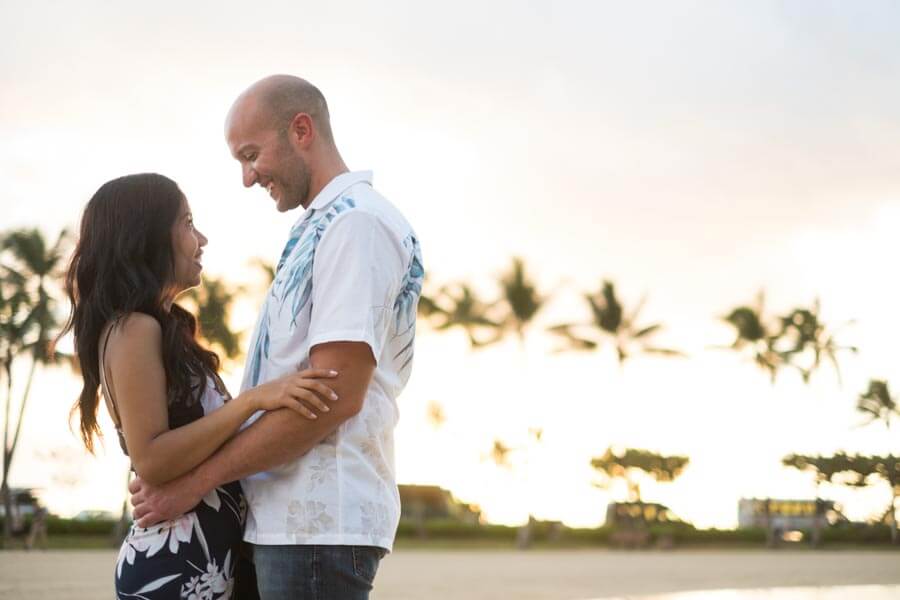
x=267, y=157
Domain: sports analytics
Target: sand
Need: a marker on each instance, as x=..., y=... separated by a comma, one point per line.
x=475, y=575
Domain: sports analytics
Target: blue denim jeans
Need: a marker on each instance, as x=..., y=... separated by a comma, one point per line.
x=316, y=572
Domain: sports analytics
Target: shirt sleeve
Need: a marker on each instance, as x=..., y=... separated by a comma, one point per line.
x=357, y=271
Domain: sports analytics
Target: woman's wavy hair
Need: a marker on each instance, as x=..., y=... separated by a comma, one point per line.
x=123, y=263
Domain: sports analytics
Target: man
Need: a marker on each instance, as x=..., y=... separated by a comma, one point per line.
x=323, y=501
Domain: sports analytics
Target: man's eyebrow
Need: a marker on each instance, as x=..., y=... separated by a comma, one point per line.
x=244, y=148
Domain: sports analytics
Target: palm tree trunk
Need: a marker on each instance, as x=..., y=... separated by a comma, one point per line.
x=893, y=515
x=525, y=532
x=15, y=441
x=4, y=488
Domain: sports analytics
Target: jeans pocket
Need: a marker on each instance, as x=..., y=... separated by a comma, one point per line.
x=366, y=560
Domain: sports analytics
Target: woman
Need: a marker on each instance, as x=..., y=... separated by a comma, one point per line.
x=138, y=249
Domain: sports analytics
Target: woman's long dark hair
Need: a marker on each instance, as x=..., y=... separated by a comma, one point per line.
x=123, y=263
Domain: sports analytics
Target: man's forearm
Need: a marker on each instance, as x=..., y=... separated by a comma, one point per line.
x=278, y=437
x=281, y=436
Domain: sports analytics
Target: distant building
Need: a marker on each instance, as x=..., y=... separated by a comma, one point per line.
x=787, y=515
x=426, y=502
x=620, y=514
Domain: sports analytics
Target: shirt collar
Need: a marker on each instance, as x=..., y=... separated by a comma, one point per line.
x=338, y=186
x=332, y=191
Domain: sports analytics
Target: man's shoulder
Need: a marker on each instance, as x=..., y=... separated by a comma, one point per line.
x=364, y=205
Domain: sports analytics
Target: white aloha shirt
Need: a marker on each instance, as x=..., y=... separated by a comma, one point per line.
x=351, y=271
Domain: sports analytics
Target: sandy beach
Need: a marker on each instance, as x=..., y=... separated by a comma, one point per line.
x=479, y=575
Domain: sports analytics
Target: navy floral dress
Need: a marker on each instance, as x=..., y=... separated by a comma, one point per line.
x=194, y=556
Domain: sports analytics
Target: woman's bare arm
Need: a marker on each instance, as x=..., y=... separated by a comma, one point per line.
x=160, y=454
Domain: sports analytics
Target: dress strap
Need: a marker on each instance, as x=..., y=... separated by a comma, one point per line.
x=107, y=388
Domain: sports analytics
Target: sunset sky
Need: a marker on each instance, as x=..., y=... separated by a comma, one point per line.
x=695, y=152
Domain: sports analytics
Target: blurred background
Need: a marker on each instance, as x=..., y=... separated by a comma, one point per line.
x=659, y=240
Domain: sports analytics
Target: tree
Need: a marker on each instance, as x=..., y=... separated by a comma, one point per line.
x=888, y=469
x=798, y=339
x=213, y=300
x=610, y=321
x=806, y=337
x=754, y=334
x=825, y=470
x=631, y=465
x=519, y=304
x=877, y=403
x=856, y=471
x=28, y=320
x=458, y=306
x=520, y=301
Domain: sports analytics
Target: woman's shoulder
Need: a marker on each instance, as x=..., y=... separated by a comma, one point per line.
x=133, y=328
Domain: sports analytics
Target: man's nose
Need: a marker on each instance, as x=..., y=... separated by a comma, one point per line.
x=249, y=176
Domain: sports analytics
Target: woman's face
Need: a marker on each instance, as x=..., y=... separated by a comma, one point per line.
x=187, y=248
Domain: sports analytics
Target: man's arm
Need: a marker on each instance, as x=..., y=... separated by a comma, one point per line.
x=278, y=437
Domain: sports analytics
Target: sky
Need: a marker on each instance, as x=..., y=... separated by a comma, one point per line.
x=692, y=152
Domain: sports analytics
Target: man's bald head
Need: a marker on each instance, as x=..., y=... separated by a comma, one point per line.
x=277, y=99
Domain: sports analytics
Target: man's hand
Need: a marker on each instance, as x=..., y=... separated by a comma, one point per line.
x=154, y=504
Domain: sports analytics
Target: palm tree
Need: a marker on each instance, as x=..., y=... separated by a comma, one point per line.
x=519, y=304
x=28, y=320
x=519, y=299
x=805, y=334
x=779, y=342
x=609, y=321
x=754, y=334
x=458, y=305
x=877, y=403
x=213, y=300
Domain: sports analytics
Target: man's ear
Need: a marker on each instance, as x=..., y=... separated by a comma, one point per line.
x=301, y=131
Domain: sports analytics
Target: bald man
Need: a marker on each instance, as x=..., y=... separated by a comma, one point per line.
x=322, y=494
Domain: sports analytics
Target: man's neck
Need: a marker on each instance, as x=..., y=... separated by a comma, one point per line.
x=322, y=176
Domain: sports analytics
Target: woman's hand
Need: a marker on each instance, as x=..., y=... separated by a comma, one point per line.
x=299, y=392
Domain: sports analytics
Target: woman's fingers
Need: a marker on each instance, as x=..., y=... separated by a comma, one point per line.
x=318, y=373
x=310, y=399
x=322, y=389
x=137, y=498
x=316, y=389
x=297, y=406
x=139, y=511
